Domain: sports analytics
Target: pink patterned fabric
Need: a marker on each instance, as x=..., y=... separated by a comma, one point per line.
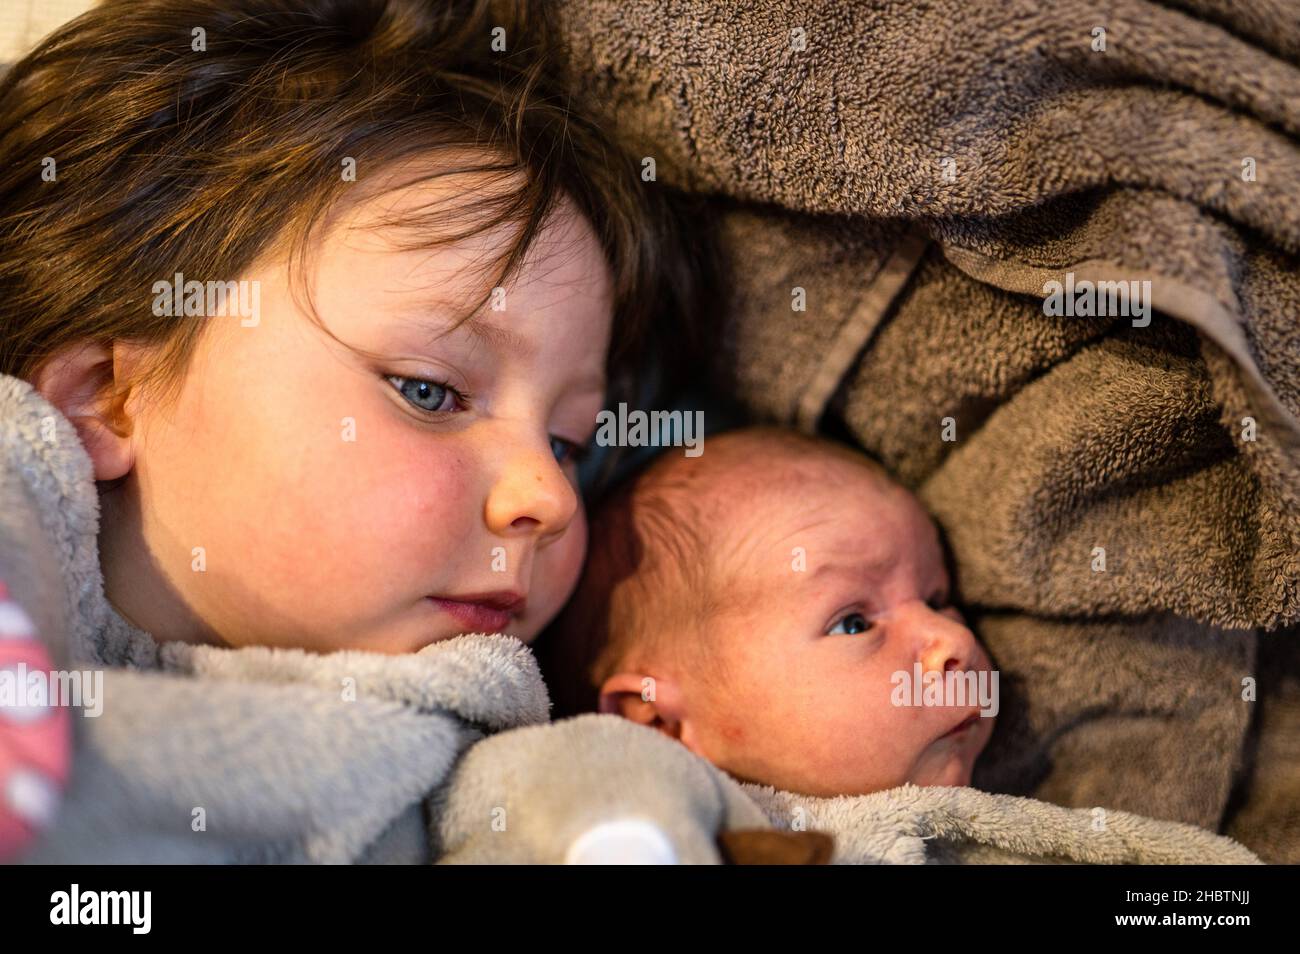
x=35, y=741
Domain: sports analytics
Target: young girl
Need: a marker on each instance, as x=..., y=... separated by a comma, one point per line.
x=332, y=293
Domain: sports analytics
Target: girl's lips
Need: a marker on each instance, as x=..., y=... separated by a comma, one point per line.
x=476, y=617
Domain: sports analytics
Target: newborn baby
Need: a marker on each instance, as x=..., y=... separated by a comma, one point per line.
x=770, y=605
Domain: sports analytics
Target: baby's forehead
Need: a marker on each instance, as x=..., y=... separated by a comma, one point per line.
x=751, y=524
x=846, y=521
x=787, y=485
x=764, y=511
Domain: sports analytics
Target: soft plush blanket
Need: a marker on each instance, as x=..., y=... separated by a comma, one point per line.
x=914, y=199
x=510, y=803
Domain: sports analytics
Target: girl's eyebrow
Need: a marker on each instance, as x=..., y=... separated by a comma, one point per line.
x=503, y=339
x=429, y=317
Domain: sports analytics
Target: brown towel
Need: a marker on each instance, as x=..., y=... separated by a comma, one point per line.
x=922, y=171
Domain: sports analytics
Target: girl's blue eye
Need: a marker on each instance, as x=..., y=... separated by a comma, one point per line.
x=566, y=451
x=424, y=394
x=850, y=625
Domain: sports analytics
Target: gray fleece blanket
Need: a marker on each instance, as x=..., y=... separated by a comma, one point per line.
x=500, y=810
x=1120, y=487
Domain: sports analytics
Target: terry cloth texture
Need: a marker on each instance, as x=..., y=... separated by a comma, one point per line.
x=1121, y=495
x=938, y=825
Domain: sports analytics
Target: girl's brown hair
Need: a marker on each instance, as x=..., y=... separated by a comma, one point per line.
x=194, y=135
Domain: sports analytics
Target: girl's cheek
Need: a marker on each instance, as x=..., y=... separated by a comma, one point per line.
x=563, y=567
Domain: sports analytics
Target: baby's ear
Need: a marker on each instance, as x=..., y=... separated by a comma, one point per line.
x=84, y=381
x=643, y=699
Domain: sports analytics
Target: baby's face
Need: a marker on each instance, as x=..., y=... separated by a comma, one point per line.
x=806, y=703
x=378, y=503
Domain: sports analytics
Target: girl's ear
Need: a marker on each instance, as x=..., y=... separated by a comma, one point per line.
x=86, y=383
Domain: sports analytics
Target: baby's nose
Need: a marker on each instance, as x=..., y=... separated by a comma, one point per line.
x=945, y=643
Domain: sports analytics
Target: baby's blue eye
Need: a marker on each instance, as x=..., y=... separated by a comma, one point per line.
x=850, y=625
x=424, y=394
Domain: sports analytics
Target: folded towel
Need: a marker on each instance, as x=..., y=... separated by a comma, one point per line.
x=923, y=173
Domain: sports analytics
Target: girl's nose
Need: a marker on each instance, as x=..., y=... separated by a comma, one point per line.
x=530, y=496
